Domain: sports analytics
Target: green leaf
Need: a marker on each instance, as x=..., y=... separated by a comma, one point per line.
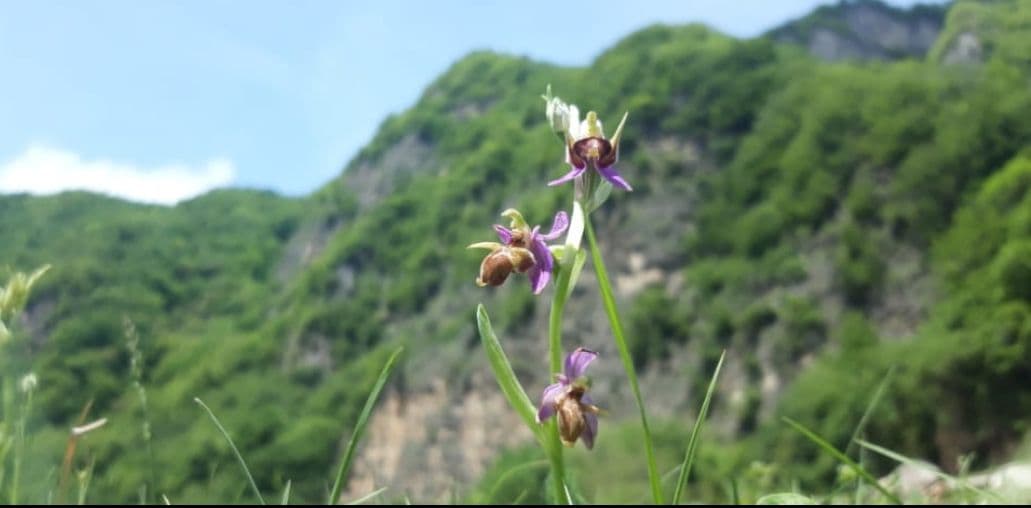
x=243, y=464
x=359, y=426
x=692, y=444
x=599, y=196
x=574, y=271
x=834, y=452
x=782, y=498
x=506, y=377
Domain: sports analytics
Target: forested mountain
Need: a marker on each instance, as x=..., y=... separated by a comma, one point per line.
x=825, y=223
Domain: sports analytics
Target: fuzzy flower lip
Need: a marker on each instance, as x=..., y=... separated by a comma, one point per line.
x=587, y=147
x=522, y=250
x=577, y=414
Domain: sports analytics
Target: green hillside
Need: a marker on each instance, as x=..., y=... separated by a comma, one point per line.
x=825, y=223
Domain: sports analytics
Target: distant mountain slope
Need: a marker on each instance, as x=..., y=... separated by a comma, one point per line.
x=799, y=215
x=976, y=31
x=865, y=30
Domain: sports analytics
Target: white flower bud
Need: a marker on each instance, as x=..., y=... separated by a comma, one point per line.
x=558, y=115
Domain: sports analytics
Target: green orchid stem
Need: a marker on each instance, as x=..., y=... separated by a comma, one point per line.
x=554, y=444
x=558, y=468
x=624, y=352
x=558, y=303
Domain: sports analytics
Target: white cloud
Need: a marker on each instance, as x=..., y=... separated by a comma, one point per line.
x=47, y=170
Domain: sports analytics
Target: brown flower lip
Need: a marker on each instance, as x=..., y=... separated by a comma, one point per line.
x=572, y=412
x=499, y=264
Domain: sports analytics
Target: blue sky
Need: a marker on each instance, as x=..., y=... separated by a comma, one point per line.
x=161, y=100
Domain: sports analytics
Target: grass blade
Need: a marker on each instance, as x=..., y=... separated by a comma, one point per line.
x=506, y=377
x=492, y=496
x=85, y=477
x=692, y=444
x=246, y=470
x=368, y=496
x=827, y=447
x=624, y=353
x=902, y=459
x=359, y=426
x=874, y=401
x=785, y=498
x=522, y=495
x=569, y=496
x=286, y=494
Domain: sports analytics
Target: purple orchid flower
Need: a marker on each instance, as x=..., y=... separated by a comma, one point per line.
x=587, y=147
x=577, y=414
x=523, y=250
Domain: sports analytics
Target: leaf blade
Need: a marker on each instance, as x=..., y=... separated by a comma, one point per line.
x=692, y=444
x=504, y=374
x=834, y=452
x=239, y=457
x=359, y=426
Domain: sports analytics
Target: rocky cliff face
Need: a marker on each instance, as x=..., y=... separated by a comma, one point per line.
x=864, y=30
x=966, y=49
